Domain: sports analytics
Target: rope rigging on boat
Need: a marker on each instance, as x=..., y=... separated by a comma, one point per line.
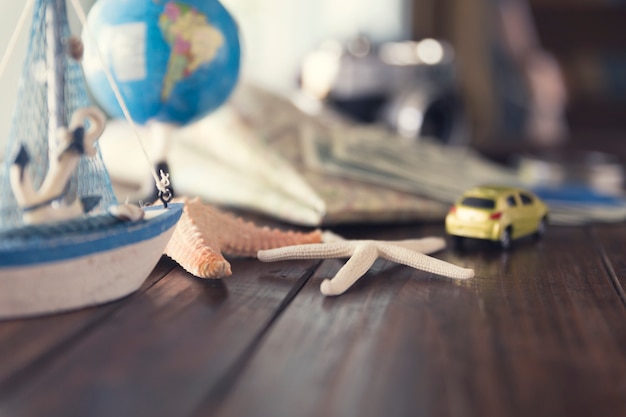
x=65, y=240
x=161, y=178
x=162, y=182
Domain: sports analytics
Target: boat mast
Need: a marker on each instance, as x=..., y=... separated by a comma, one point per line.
x=55, y=13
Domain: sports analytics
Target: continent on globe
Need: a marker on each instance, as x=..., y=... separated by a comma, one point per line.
x=192, y=39
x=173, y=61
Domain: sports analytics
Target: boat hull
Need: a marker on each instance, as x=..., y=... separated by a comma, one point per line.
x=103, y=267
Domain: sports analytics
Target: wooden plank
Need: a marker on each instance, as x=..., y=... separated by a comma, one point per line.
x=539, y=331
x=30, y=342
x=610, y=238
x=160, y=355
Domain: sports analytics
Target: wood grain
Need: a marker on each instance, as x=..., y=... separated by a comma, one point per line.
x=540, y=331
x=32, y=342
x=610, y=239
x=160, y=355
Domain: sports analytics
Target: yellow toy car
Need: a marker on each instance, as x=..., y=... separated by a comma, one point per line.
x=497, y=213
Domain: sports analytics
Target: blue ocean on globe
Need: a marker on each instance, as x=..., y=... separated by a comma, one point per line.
x=173, y=61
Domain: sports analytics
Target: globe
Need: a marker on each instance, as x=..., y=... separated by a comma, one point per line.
x=173, y=61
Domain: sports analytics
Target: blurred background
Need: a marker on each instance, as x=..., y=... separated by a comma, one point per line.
x=537, y=71
x=487, y=72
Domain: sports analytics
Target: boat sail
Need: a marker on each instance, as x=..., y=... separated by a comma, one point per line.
x=64, y=243
x=44, y=100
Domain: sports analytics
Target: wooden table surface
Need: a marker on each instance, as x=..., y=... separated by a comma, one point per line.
x=540, y=331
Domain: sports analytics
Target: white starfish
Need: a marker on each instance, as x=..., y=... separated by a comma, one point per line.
x=363, y=253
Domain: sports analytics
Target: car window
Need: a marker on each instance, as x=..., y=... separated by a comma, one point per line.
x=477, y=202
x=511, y=201
x=526, y=199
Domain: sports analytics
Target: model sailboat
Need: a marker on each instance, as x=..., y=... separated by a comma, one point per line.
x=64, y=241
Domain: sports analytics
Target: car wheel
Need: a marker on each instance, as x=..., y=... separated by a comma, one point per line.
x=541, y=228
x=505, y=238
